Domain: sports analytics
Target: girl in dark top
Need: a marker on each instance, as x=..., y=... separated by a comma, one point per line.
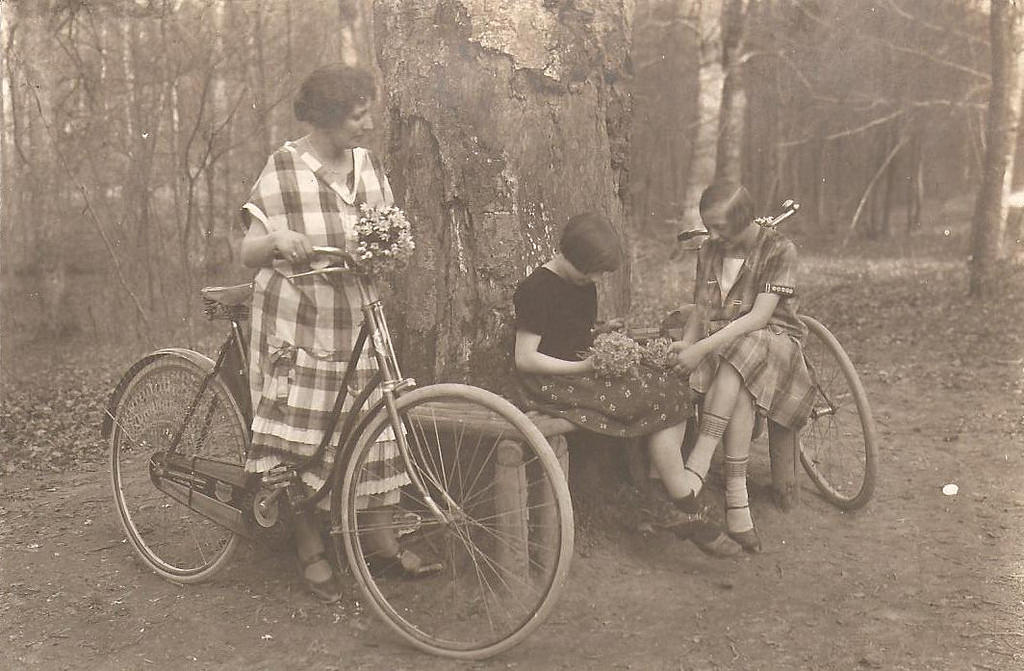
x=742, y=344
x=555, y=313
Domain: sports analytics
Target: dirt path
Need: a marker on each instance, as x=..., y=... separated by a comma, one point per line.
x=917, y=580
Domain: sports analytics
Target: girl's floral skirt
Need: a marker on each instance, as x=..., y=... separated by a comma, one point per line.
x=636, y=405
x=773, y=371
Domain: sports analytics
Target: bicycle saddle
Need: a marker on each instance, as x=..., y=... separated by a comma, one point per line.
x=237, y=294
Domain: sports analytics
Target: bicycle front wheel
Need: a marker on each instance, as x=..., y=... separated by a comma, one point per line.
x=487, y=499
x=838, y=447
x=172, y=539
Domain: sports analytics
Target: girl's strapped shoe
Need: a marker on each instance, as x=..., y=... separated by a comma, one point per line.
x=711, y=540
x=748, y=540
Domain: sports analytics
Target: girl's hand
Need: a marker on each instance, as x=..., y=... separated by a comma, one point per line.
x=688, y=357
x=587, y=365
x=292, y=246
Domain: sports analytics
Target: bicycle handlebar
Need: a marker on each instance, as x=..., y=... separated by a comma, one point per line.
x=336, y=255
x=789, y=208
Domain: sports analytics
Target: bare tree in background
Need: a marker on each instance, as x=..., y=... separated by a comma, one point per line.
x=710, y=81
x=356, y=34
x=728, y=154
x=1000, y=146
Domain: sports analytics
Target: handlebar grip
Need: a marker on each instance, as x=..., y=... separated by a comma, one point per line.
x=683, y=236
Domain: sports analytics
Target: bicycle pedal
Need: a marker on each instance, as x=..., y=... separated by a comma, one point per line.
x=279, y=476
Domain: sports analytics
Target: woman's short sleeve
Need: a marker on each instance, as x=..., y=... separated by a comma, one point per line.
x=531, y=307
x=374, y=183
x=780, y=270
x=267, y=202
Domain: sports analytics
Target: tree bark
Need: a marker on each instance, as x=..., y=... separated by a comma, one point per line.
x=496, y=136
x=1000, y=143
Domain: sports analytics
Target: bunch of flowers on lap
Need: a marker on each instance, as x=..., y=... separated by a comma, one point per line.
x=656, y=353
x=616, y=355
x=384, y=239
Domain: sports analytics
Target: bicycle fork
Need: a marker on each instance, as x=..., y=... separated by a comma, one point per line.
x=391, y=384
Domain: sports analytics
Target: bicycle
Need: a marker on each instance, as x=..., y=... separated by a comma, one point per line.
x=838, y=446
x=178, y=424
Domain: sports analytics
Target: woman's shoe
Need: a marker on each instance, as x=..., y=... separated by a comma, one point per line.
x=329, y=590
x=405, y=564
x=748, y=540
x=711, y=540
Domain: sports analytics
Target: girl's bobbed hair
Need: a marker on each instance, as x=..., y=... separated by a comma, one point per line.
x=737, y=201
x=330, y=93
x=591, y=244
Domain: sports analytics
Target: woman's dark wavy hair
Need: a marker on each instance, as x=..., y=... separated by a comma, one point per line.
x=739, y=205
x=330, y=93
x=590, y=243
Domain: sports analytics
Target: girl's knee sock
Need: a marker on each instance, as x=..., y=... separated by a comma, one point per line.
x=737, y=509
x=711, y=429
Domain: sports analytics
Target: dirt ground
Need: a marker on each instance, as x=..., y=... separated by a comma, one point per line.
x=916, y=580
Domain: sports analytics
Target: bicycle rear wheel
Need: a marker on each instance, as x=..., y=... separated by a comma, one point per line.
x=504, y=536
x=838, y=447
x=172, y=539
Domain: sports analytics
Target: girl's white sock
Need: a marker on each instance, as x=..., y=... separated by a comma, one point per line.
x=737, y=509
x=712, y=427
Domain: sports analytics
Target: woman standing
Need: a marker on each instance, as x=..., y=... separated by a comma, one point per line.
x=303, y=330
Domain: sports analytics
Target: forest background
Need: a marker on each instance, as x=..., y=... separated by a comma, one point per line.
x=132, y=130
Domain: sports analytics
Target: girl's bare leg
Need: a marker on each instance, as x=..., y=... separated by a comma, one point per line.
x=667, y=459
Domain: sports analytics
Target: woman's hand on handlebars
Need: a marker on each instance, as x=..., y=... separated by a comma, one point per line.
x=292, y=246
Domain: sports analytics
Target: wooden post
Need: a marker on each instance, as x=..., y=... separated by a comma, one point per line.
x=783, y=450
x=510, y=510
x=544, y=523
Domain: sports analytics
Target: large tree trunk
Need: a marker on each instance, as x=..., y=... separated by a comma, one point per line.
x=497, y=135
x=1001, y=141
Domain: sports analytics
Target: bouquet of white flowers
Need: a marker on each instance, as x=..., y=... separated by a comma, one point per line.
x=615, y=354
x=384, y=239
x=656, y=353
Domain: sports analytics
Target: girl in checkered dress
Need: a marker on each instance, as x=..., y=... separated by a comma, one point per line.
x=303, y=330
x=742, y=345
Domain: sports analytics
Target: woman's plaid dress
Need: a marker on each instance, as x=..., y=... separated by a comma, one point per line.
x=303, y=330
x=770, y=360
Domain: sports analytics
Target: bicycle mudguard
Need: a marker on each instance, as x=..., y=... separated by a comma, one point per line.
x=201, y=360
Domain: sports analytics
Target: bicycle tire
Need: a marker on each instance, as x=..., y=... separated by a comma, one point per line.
x=838, y=445
x=507, y=550
x=176, y=542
